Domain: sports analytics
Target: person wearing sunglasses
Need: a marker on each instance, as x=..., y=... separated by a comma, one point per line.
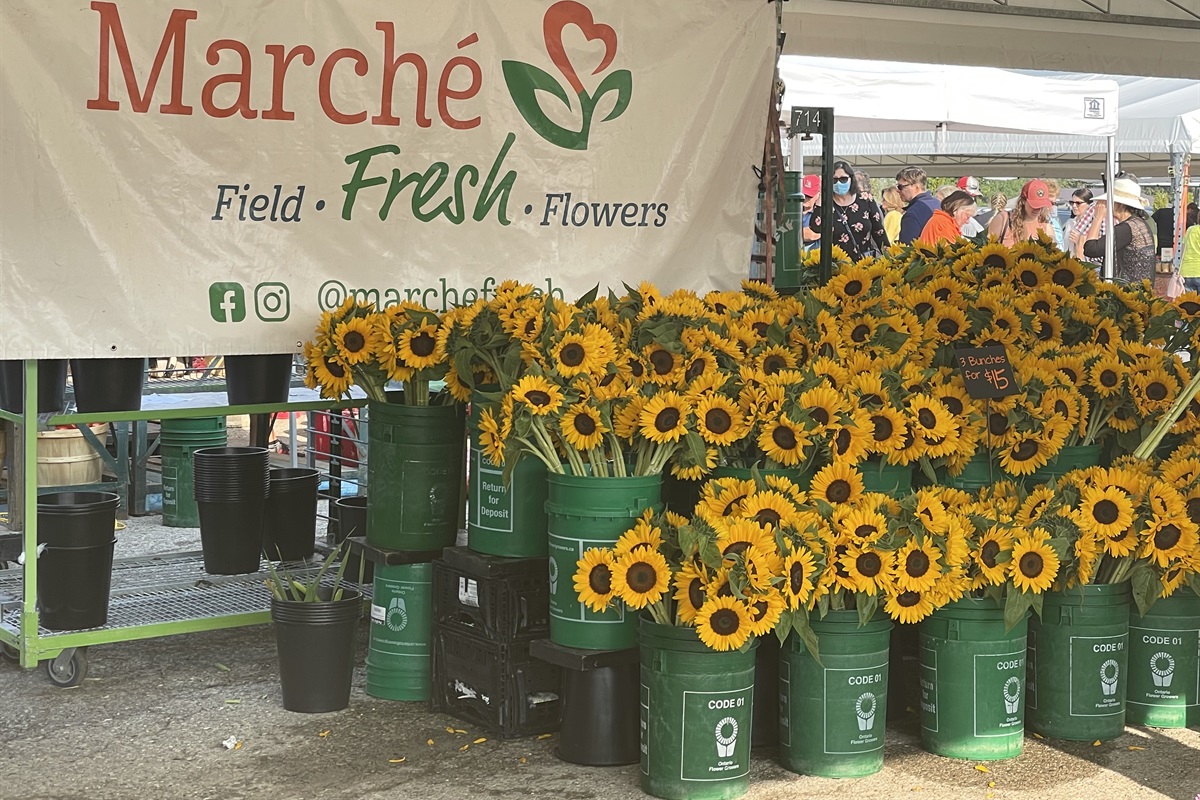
x=910, y=181
x=857, y=222
x=1080, y=202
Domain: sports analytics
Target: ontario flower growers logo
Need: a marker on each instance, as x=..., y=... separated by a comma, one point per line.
x=525, y=81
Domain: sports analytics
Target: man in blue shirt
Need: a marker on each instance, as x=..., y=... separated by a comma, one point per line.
x=910, y=182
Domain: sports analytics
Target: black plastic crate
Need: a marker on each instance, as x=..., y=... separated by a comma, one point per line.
x=499, y=687
x=501, y=599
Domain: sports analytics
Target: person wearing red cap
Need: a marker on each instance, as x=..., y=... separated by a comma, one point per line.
x=970, y=185
x=810, y=187
x=1029, y=217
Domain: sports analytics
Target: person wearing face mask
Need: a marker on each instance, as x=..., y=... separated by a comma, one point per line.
x=857, y=222
x=947, y=222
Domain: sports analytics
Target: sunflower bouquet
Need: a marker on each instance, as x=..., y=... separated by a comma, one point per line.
x=1124, y=523
x=358, y=345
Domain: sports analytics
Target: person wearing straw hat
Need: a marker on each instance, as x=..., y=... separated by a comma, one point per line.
x=1133, y=241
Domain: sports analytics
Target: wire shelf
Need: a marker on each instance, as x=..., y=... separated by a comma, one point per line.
x=156, y=590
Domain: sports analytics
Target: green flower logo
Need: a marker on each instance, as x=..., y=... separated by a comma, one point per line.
x=525, y=80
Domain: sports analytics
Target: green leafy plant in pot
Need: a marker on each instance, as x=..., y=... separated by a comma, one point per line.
x=316, y=630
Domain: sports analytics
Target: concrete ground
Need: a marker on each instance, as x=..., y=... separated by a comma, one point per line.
x=150, y=721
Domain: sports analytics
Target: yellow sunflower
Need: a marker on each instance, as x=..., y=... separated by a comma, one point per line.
x=867, y=568
x=666, y=368
x=739, y=535
x=1104, y=511
x=664, y=417
x=929, y=417
x=765, y=610
x=864, y=525
x=332, y=374
x=993, y=555
x=799, y=577
x=690, y=593
x=641, y=536
x=1034, y=564
x=823, y=405
x=418, y=348
x=1107, y=375
x=579, y=354
x=641, y=577
x=1167, y=538
x=908, y=605
x=352, y=339
x=783, y=441
x=719, y=420
x=582, y=427
x=769, y=509
x=540, y=395
x=918, y=565
x=888, y=430
x=723, y=623
x=837, y=483
x=594, y=578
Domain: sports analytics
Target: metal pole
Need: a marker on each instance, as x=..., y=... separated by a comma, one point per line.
x=826, y=268
x=29, y=615
x=1111, y=177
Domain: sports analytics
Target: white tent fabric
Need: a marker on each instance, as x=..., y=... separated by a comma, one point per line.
x=1158, y=117
x=871, y=97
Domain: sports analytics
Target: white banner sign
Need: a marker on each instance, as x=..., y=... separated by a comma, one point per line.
x=207, y=179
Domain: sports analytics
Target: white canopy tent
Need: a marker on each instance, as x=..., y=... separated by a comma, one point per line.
x=1159, y=122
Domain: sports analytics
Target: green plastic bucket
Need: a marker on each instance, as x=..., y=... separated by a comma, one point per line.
x=977, y=474
x=414, y=475
x=696, y=721
x=972, y=682
x=585, y=512
x=1069, y=458
x=1164, y=663
x=178, y=440
x=1076, y=673
x=788, y=251
x=832, y=715
x=890, y=479
x=504, y=519
x=401, y=610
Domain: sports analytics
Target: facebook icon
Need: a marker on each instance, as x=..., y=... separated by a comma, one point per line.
x=227, y=302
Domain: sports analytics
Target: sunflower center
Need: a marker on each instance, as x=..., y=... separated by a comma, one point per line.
x=641, y=577
x=423, y=344
x=908, y=599
x=773, y=363
x=717, y=420
x=1105, y=512
x=1070, y=374
x=842, y=441
x=1061, y=408
x=796, y=577
x=530, y=327
x=865, y=531
x=1064, y=276
x=883, y=428
x=695, y=370
x=760, y=328
x=916, y=564
x=600, y=579
x=997, y=424
x=927, y=418
x=988, y=553
x=537, y=397
x=947, y=327
x=1167, y=536
x=662, y=361
x=584, y=424
x=994, y=260
x=853, y=288
x=870, y=400
x=1041, y=306
x=1190, y=307
x=868, y=564
x=1108, y=378
x=696, y=592
x=666, y=420
x=1193, y=509
x=1029, y=277
x=768, y=516
x=607, y=379
x=1025, y=450
x=784, y=437
x=953, y=405
x=1102, y=336
x=921, y=309
x=735, y=548
x=1156, y=391
x=571, y=355
x=819, y=414
x=1031, y=564
x=860, y=333
x=725, y=622
x=354, y=341
x=838, y=491
x=636, y=368
x=335, y=369
x=732, y=505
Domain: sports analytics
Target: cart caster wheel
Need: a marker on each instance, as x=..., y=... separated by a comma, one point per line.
x=10, y=654
x=65, y=674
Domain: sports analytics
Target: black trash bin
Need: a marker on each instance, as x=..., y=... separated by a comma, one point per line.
x=75, y=567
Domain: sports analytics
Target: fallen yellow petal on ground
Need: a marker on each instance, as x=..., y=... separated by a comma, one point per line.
x=981, y=768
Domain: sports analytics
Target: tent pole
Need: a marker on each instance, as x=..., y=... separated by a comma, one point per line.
x=1110, y=171
x=1179, y=187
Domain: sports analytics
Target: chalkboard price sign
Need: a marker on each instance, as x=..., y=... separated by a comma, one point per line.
x=986, y=371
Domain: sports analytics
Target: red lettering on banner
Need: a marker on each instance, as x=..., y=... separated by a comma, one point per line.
x=173, y=40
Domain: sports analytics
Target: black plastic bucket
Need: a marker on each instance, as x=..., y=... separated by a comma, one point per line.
x=351, y=515
x=52, y=385
x=316, y=642
x=108, y=384
x=600, y=716
x=258, y=379
x=290, y=526
x=75, y=568
x=227, y=474
x=231, y=535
